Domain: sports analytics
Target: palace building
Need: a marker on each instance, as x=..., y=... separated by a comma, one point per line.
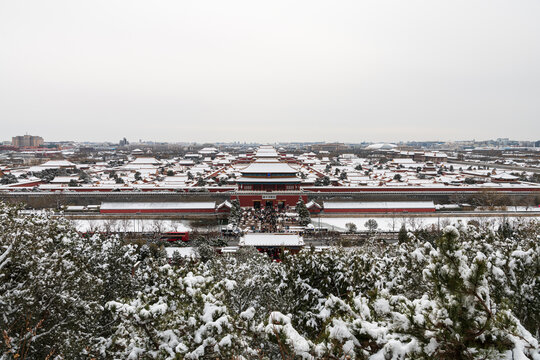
x=267, y=174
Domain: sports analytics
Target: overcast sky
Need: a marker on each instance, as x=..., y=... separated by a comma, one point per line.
x=270, y=70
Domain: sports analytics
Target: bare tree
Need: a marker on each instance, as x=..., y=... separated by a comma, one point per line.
x=110, y=226
x=157, y=229
x=93, y=227
x=351, y=227
x=415, y=223
x=371, y=225
x=125, y=225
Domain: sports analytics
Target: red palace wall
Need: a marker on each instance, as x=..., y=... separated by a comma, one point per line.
x=268, y=187
x=248, y=200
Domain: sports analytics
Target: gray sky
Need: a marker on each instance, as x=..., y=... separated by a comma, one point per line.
x=269, y=71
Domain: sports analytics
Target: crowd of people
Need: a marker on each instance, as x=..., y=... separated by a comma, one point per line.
x=268, y=219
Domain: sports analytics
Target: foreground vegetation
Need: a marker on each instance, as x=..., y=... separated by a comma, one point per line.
x=472, y=293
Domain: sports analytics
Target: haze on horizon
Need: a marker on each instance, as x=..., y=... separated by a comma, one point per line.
x=239, y=70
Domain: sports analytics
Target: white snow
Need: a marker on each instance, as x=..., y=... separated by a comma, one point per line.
x=412, y=223
x=379, y=205
x=131, y=225
x=157, y=205
x=268, y=239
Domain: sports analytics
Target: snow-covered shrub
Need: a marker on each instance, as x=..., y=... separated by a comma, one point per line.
x=470, y=294
x=54, y=283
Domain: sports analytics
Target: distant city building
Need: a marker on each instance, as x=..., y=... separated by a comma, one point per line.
x=331, y=147
x=123, y=142
x=137, y=152
x=27, y=141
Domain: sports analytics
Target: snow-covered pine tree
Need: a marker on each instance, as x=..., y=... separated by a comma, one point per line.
x=457, y=316
x=472, y=297
x=236, y=212
x=54, y=283
x=303, y=213
x=403, y=235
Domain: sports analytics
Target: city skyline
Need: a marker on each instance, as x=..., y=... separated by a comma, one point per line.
x=124, y=141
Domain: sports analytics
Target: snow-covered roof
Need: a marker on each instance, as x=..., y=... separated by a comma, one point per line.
x=504, y=176
x=259, y=167
x=226, y=204
x=52, y=164
x=75, y=208
x=266, y=151
x=186, y=162
x=209, y=150
x=381, y=146
x=145, y=160
x=312, y=204
x=436, y=154
x=265, y=239
x=179, y=178
x=63, y=179
x=403, y=161
x=292, y=180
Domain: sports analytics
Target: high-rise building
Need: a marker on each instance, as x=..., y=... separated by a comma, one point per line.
x=27, y=141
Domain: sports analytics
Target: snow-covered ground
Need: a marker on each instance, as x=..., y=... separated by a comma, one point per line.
x=520, y=208
x=131, y=225
x=413, y=223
